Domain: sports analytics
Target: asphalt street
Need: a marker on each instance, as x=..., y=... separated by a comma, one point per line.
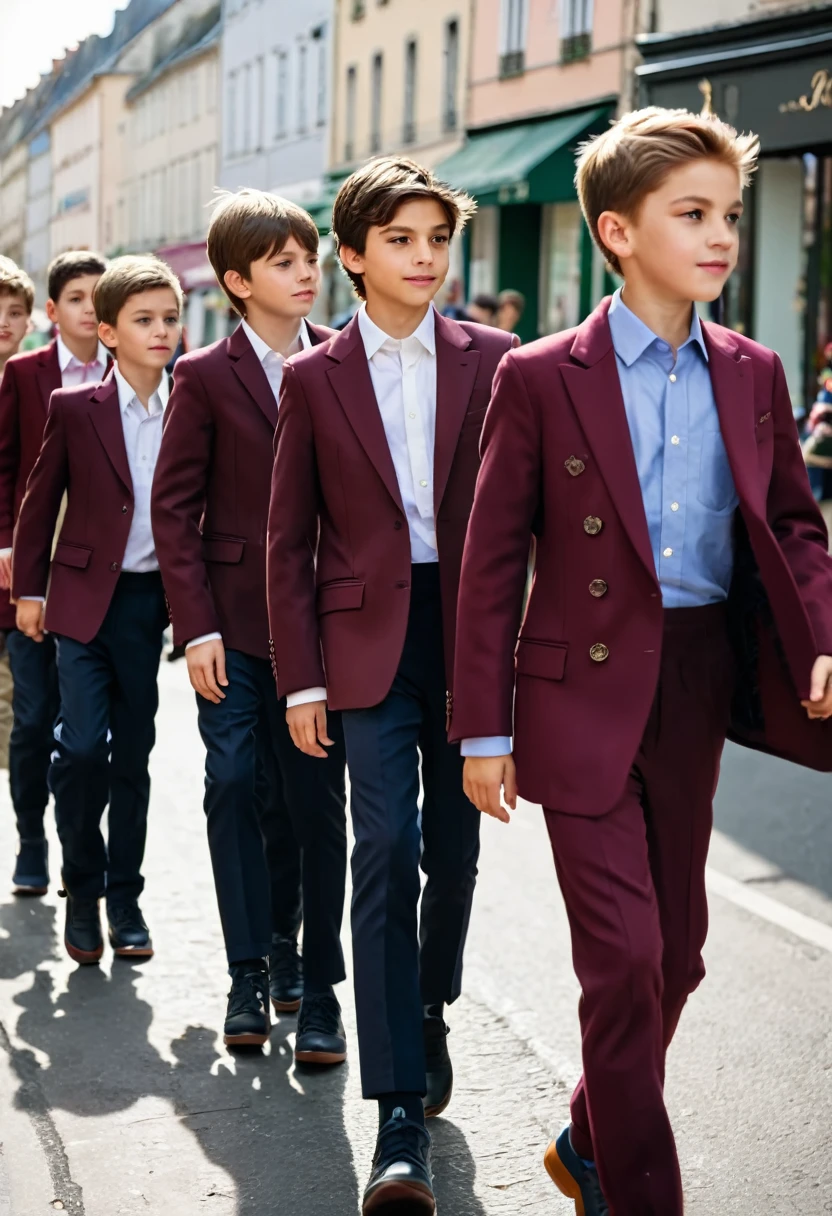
x=117, y=1096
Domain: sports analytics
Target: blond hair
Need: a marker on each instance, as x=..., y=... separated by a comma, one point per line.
x=128, y=276
x=619, y=168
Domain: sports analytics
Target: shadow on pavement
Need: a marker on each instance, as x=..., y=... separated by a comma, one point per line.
x=779, y=811
x=31, y=928
x=454, y=1171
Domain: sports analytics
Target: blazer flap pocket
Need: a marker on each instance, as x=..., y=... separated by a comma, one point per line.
x=227, y=549
x=68, y=554
x=546, y=660
x=342, y=594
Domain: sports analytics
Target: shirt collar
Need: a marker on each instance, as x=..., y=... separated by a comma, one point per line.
x=631, y=337
x=65, y=355
x=262, y=349
x=374, y=338
x=127, y=394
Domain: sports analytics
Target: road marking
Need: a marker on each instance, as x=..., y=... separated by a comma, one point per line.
x=776, y=913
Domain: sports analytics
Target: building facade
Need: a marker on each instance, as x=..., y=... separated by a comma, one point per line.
x=38, y=245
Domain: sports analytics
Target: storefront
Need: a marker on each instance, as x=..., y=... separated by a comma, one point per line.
x=528, y=233
x=773, y=77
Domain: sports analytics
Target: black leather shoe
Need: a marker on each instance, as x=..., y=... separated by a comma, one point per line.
x=439, y=1070
x=285, y=975
x=574, y=1178
x=82, y=934
x=129, y=935
x=31, y=873
x=247, y=1022
x=400, y=1182
x=320, y=1037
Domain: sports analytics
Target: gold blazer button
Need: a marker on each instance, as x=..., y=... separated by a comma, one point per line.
x=599, y=652
x=593, y=525
x=598, y=588
x=574, y=466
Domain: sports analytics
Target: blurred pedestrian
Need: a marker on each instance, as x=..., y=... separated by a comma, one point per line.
x=483, y=309
x=75, y=356
x=454, y=305
x=260, y=791
x=510, y=308
x=106, y=602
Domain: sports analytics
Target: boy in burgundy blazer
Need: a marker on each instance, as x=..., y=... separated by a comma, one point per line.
x=75, y=357
x=210, y=509
x=106, y=607
x=656, y=460
x=376, y=459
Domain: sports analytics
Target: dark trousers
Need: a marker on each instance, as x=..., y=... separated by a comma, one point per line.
x=264, y=801
x=35, y=707
x=399, y=968
x=634, y=886
x=109, y=698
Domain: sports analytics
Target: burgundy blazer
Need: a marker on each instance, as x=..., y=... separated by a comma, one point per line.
x=558, y=461
x=210, y=500
x=338, y=616
x=83, y=453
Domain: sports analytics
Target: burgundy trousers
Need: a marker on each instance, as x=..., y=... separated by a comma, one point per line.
x=633, y=881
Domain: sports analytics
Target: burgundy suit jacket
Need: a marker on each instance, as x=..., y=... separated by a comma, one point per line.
x=83, y=453
x=556, y=453
x=210, y=500
x=339, y=615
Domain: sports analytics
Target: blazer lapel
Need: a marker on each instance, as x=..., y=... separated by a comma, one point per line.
x=456, y=371
x=595, y=389
x=351, y=383
x=48, y=373
x=249, y=371
x=732, y=378
x=105, y=414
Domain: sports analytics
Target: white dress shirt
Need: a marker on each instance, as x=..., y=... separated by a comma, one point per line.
x=273, y=367
x=74, y=372
x=142, y=438
x=403, y=373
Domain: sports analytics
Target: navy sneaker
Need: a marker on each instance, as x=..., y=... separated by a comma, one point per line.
x=31, y=871
x=574, y=1178
x=401, y=1182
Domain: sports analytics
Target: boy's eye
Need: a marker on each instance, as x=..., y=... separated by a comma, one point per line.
x=696, y=214
x=441, y=240
x=398, y=240
x=171, y=320
x=733, y=218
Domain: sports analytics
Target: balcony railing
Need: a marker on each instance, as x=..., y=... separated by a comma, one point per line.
x=577, y=46
x=512, y=63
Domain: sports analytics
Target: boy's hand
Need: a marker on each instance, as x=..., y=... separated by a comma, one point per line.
x=206, y=668
x=482, y=779
x=307, y=726
x=30, y=619
x=819, y=704
x=5, y=572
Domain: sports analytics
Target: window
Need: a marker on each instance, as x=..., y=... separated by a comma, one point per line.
x=575, y=29
x=194, y=82
x=375, y=102
x=449, y=113
x=231, y=133
x=196, y=197
x=259, y=86
x=359, y=8
x=513, y=37
x=247, y=109
x=211, y=86
x=282, y=93
x=410, y=66
x=319, y=37
x=352, y=90
x=303, y=84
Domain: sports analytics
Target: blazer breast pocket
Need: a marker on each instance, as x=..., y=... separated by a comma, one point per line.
x=227, y=550
x=69, y=554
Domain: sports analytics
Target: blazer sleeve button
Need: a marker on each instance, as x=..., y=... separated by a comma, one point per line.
x=398, y=525
x=114, y=565
x=124, y=510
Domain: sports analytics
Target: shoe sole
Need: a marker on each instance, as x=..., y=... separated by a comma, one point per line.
x=285, y=1006
x=132, y=951
x=403, y=1198
x=431, y=1112
x=245, y=1040
x=23, y=888
x=562, y=1179
x=320, y=1057
x=86, y=958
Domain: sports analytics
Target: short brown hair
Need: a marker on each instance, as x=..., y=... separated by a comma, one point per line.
x=251, y=224
x=71, y=265
x=126, y=277
x=16, y=282
x=371, y=196
x=619, y=168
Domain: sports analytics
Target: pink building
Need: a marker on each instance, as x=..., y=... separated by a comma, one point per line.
x=543, y=75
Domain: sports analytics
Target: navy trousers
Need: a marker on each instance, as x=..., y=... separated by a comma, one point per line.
x=400, y=967
x=35, y=707
x=109, y=698
x=264, y=802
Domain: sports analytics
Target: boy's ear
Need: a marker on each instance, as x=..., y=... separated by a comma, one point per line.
x=51, y=311
x=351, y=260
x=614, y=232
x=108, y=335
x=236, y=284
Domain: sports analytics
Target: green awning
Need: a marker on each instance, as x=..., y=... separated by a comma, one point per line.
x=321, y=208
x=530, y=162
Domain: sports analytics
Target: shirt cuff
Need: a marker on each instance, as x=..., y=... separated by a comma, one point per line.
x=5, y=552
x=493, y=745
x=206, y=637
x=33, y=599
x=305, y=696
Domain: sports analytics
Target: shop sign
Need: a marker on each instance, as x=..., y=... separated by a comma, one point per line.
x=819, y=94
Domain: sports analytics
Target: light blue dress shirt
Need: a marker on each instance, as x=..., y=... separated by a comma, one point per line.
x=686, y=482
